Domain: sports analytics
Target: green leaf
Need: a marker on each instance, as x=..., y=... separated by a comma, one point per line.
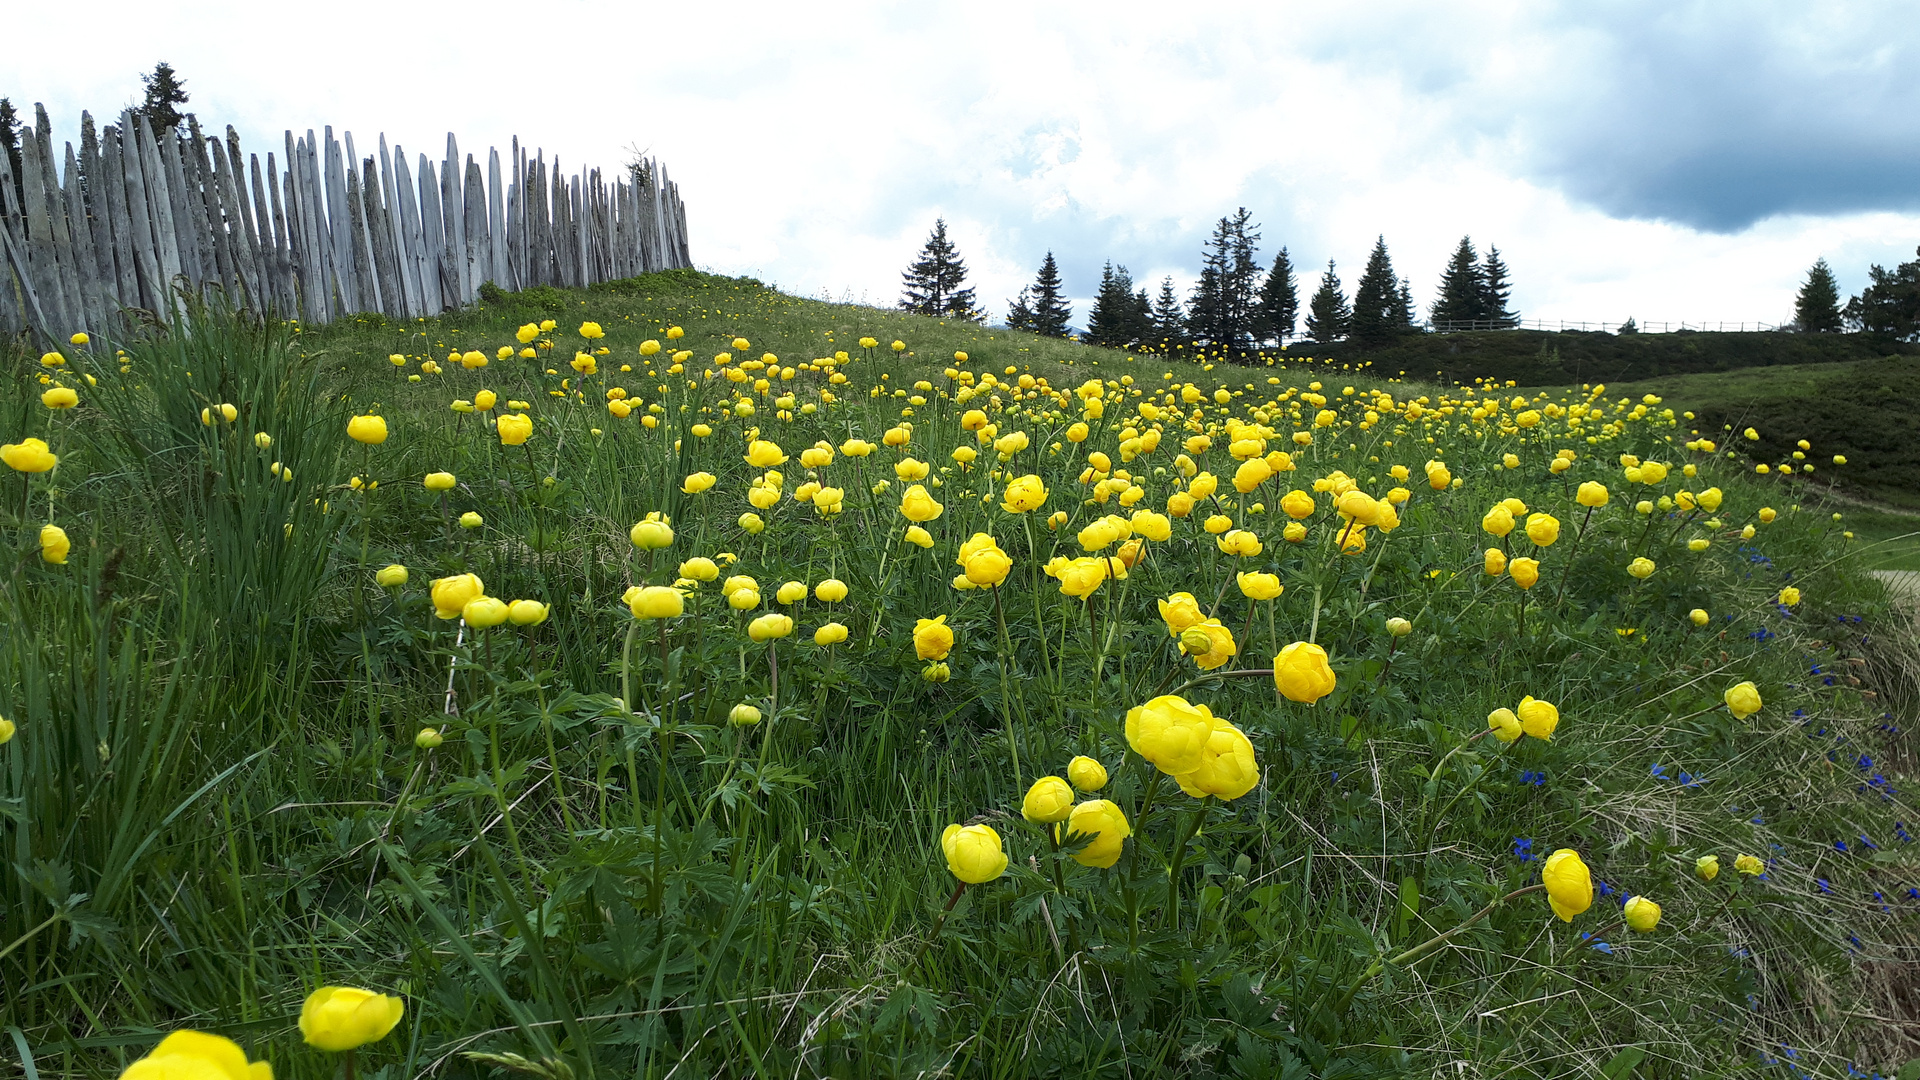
x=1623, y=1063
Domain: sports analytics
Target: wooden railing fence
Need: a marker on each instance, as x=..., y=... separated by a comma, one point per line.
x=322, y=234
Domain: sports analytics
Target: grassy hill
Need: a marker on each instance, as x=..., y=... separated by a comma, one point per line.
x=1541, y=358
x=271, y=736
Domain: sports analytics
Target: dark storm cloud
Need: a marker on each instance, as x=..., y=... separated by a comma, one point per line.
x=1717, y=116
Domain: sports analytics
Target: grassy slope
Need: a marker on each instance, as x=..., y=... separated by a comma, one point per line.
x=1868, y=411
x=279, y=888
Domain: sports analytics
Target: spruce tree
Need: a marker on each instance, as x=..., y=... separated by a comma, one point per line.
x=1222, y=306
x=165, y=89
x=1020, y=312
x=1278, y=309
x=1328, y=315
x=1462, y=293
x=935, y=282
x=1817, y=308
x=1051, y=312
x=1494, y=289
x=1376, y=300
x=1169, y=322
x=1403, y=310
x=1120, y=315
x=1239, y=286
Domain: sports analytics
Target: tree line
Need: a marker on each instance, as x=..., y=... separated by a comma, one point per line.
x=1236, y=304
x=1890, y=304
x=164, y=92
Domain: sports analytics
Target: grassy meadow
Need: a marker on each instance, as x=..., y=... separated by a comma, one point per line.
x=712, y=714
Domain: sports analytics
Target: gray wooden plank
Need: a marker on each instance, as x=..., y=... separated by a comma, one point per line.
x=433, y=287
x=497, y=223
x=105, y=278
x=408, y=195
x=409, y=290
x=181, y=198
x=110, y=194
x=40, y=254
x=453, y=270
x=479, y=244
x=86, y=266
x=393, y=300
x=273, y=242
x=148, y=269
x=166, y=240
x=203, y=206
x=340, y=227
x=366, y=268
x=231, y=173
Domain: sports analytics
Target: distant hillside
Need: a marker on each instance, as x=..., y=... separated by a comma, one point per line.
x=1547, y=358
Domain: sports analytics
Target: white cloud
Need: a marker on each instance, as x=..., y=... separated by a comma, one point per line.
x=815, y=146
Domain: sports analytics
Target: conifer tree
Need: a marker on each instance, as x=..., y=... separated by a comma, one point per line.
x=165, y=89
x=1494, y=289
x=1403, y=317
x=1278, y=309
x=1817, y=309
x=935, y=283
x=1328, y=314
x=1120, y=316
x=1169, y=321
x=1377, y=314
x=1020, y=312
x=1222, y=306
x=1462, y=293
x=1051, y=312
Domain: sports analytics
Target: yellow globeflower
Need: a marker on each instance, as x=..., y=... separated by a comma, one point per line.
x=1524, y=572
x=1592, y=494
x=1538, y=718
x=1750, y=865
x=1104, y=822
x=54, y=544
x=932, y=638
x=1499, y=521
x=1569, y=883
x=196, y=1055
x=651, y=534
x=695, y=483
x=1543, y=529
x=832, y=633
x=343, y=1017
x=1789, y=596
x=1180, y=611
x=770, y=627
x=439, y=481
x=1642, y=914
x=1086, y=773
x=451, y=594
x=1707, y=867
x=514, y=429
x=591, y=331
x=392, y=576
x=60, y=397
x=791, y=592
x=918, y=537
x=700, y=568
x=484, y=612
x=526, y=613
x=1495, y=563
x=1209, y=643
x=830, y=591
x=1505, y=725
x=1050, y=799
x=918, y=505
x=655, y=602
x=973, y=853
x=1025, y=494
x=1641, y=567
x=1170, y=733
x=1227, y=768
x=1258, y=586
x=370, y=430
x=1743, y=700
x=1302, y=674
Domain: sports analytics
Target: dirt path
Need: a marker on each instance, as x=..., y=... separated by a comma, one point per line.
x=1903, y=585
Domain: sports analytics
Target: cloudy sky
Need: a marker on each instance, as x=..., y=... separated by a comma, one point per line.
x=1662, y=160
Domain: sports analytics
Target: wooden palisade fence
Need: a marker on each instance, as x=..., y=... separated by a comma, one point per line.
x=320, y=234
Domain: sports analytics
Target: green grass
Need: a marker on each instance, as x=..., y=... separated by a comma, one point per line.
x=215, y=804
